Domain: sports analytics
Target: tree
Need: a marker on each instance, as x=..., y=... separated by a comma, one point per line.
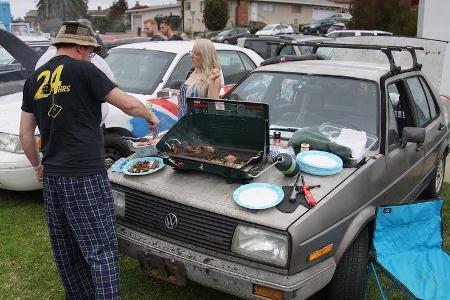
x=62, y=9
x=397, y=17
x=118, y=8
x=215, y=14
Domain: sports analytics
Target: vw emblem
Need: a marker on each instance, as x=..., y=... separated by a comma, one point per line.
x=171, y=221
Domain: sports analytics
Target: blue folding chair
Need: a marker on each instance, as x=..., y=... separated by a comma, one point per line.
x=408, y=248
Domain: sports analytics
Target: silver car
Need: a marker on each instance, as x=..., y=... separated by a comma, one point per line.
x=185, y=225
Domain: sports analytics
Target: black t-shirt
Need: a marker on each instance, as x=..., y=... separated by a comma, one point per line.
x=175, y=38
x=65, y=97
x=157, y=38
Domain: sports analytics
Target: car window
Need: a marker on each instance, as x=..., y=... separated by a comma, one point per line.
x=5, y=57
x=259, y=47
x=396, y=114
x=301, y=100
x=248, y=63
x=345, y=34
x=402, y=111
x=232, y=66
x=180, y=71
x=278, y=27
x=139, y=71
x=419, y=100
x=431, y=101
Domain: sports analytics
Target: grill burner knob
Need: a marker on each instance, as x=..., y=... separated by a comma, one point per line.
x=201, y=167
x=287, y=165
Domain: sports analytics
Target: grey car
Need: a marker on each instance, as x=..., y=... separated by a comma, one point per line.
x=185, y=225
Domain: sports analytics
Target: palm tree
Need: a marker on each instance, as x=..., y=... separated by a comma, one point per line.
x=62, y=9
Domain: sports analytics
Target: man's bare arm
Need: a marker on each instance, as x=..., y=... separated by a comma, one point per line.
x=27, y=138
x=132, y=106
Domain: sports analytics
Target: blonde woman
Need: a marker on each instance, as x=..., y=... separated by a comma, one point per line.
x=205, y=79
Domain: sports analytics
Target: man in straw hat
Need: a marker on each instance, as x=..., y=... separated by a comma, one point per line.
x=63, y=98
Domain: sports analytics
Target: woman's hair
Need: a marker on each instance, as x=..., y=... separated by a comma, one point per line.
x=209, y=60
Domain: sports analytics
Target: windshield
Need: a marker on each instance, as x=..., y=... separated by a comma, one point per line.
x=139, y=71
x=268, y=27
x=224, y=32
x=300, y=100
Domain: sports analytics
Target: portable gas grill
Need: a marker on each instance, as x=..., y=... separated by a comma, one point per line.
x=228, y=138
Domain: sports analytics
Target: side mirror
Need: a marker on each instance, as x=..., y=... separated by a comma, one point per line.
x=413, y=135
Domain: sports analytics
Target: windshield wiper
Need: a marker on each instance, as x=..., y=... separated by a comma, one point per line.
x=288, y=129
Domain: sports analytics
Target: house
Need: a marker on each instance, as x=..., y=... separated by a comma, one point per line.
x=241, y=12
x=139, y=14
x=289, y=11
x=32, y=18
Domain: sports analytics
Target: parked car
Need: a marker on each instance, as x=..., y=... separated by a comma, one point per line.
x=336, y=26
x=143, y=69
x=346, y=33
x=17, y=62
x=319, y=26
x=184, y=224
x=262, y=46
x=230, y=36
x=274, y=29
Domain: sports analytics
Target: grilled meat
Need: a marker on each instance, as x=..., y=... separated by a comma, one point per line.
x=229, y=159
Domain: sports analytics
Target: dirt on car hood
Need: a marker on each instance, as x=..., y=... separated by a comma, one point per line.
x=212, y=193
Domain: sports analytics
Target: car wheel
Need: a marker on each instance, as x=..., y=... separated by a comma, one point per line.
x=115, y=148
x=435, y=185
x=226, y=41
x=350, y=276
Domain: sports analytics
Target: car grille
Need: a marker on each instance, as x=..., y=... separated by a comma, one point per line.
x=144, y=212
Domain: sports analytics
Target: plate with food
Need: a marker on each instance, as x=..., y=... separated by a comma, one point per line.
x=143, y=166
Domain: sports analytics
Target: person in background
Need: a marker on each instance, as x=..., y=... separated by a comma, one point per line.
x=151, y=30
x=166, y=29
x=63, y=99
x=205, y=80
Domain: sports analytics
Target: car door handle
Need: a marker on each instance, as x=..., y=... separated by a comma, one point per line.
x=419, y=147
x=441, y=126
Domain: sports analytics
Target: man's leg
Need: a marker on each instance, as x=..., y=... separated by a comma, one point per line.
x=91, y=215
x=74, y=271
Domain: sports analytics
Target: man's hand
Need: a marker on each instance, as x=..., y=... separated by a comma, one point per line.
x=39, y=171
x=153, y=123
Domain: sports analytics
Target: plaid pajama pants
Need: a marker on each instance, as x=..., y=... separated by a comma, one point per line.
x=81, y=222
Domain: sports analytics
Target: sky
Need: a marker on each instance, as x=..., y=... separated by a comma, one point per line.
x=20, y=7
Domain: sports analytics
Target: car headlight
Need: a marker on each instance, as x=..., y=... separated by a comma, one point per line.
x=119, y=202
x=10, y=143
x=262, y=245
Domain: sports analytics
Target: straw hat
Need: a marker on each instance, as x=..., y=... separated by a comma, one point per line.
x=76, y=33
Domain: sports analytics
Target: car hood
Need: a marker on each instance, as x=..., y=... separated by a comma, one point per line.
x=212, y=193
x=10, y=113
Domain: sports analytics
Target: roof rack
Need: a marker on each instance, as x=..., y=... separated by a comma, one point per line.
x=387, y=50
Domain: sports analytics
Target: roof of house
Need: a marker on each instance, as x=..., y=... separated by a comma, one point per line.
x=325, y=3
x=96, y=12
x=154, y=7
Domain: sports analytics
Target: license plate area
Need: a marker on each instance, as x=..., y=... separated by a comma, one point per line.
x=165, y=269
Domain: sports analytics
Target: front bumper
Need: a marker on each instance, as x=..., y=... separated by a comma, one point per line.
x=16, y=173
x=227, y=276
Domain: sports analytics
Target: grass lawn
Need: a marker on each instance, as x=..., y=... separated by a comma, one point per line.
x=27, y=269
